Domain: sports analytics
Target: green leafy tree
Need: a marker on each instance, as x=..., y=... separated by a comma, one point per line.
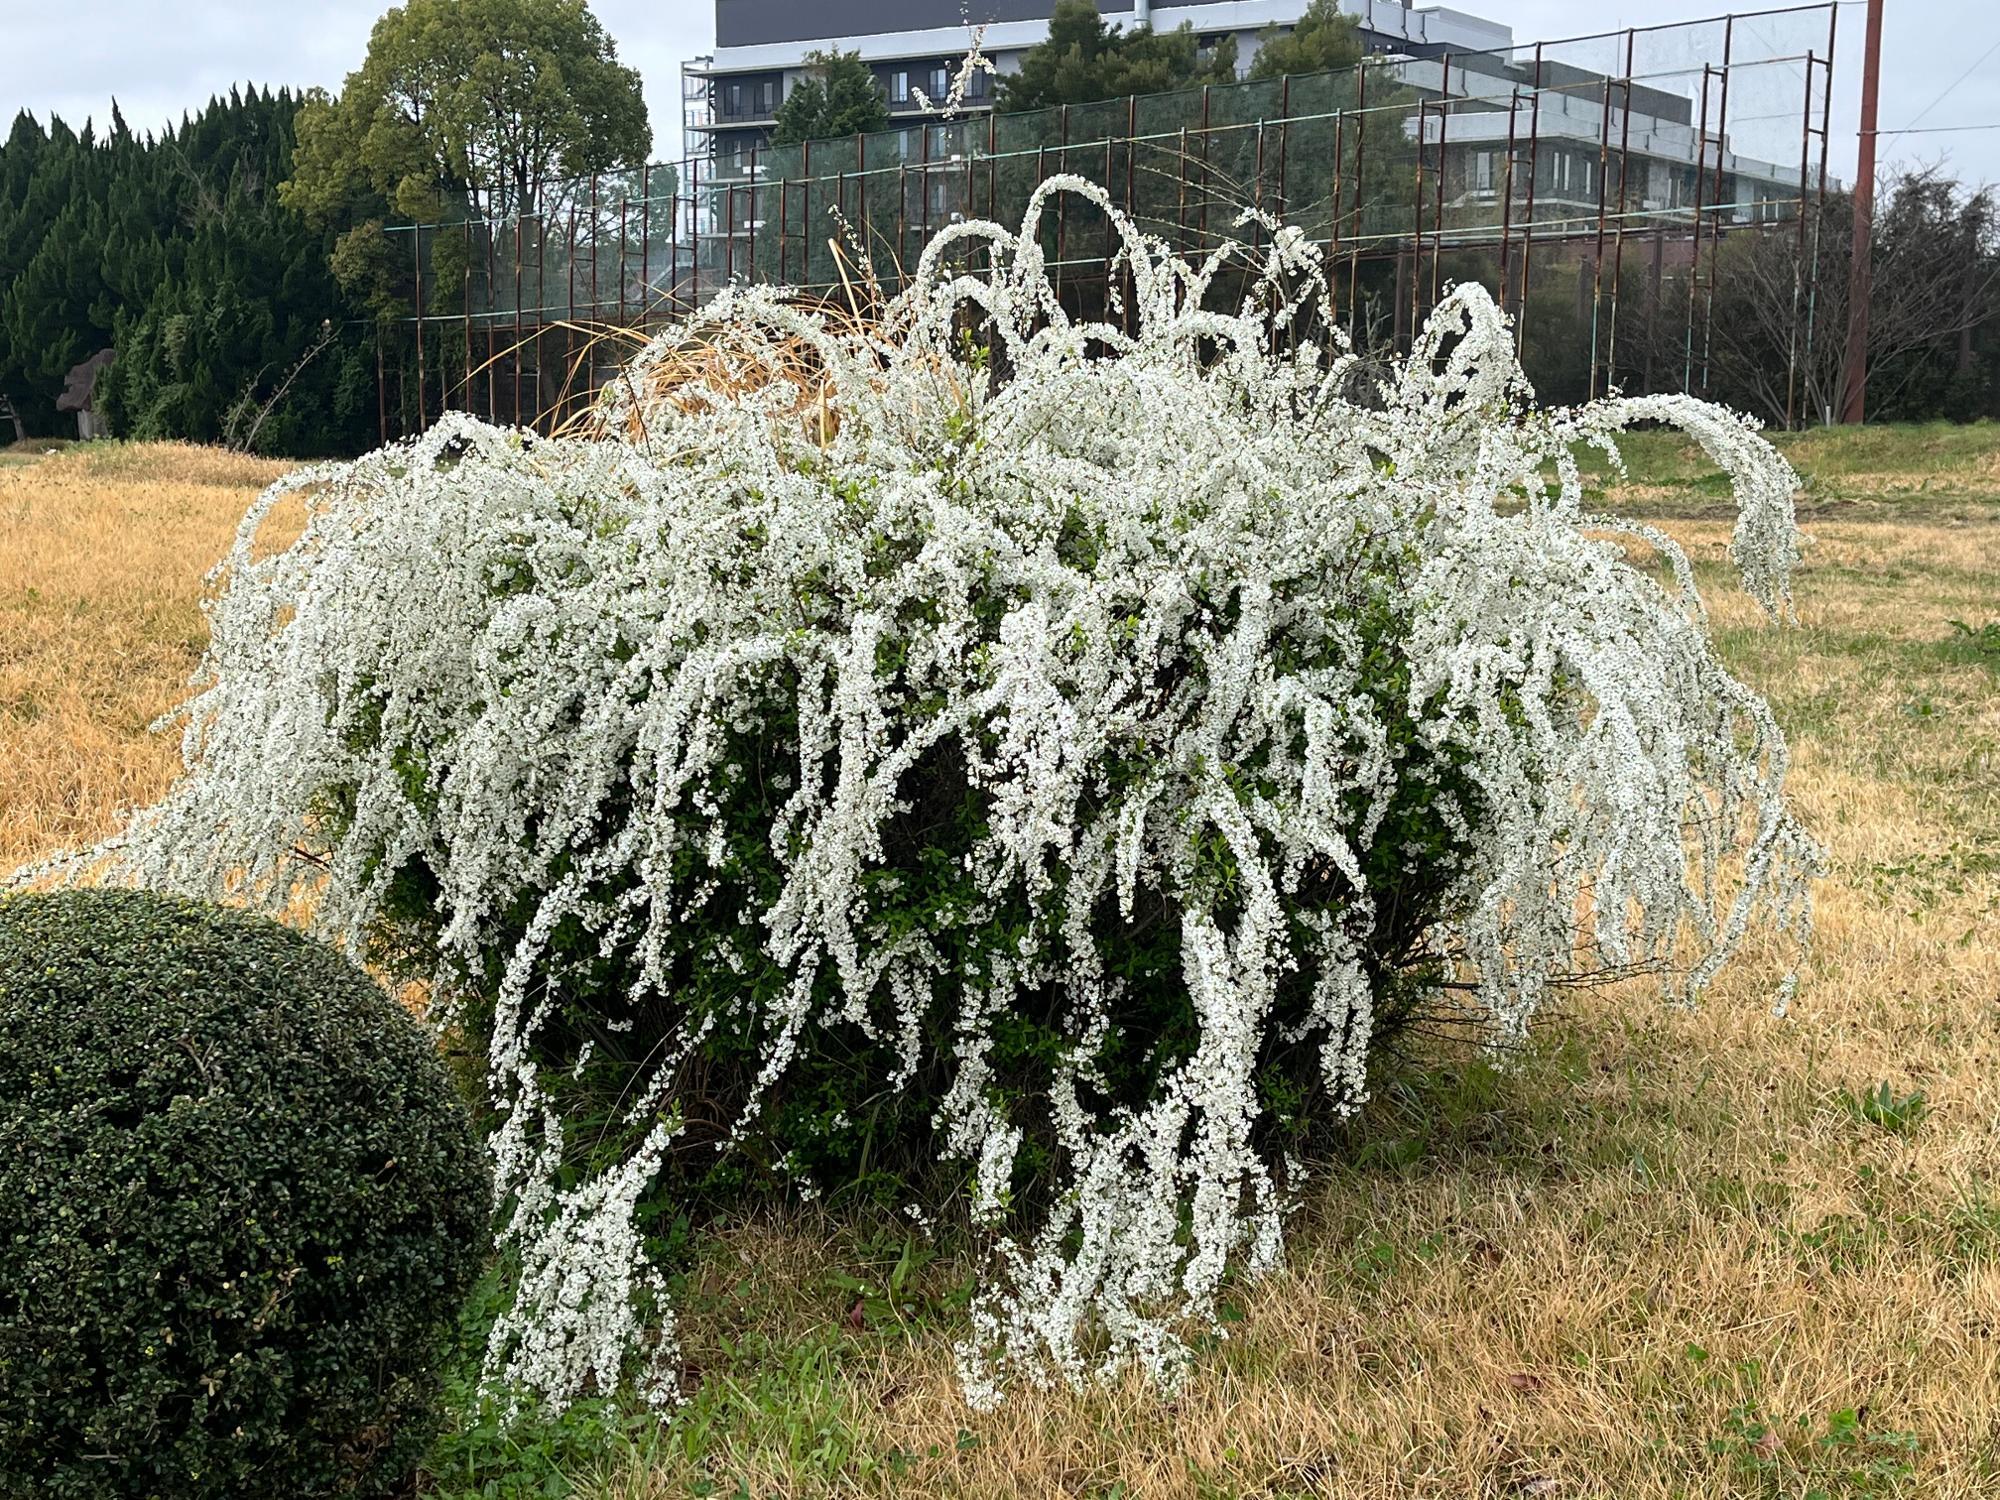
x=1322, y=41
x=489, y=100
x=462, y=109
x=838, y=96
x=1084, y=60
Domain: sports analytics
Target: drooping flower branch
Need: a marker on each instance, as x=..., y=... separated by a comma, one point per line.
x=911, y=680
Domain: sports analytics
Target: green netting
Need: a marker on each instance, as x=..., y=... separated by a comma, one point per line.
x=1562, y=175
x=1397, y=152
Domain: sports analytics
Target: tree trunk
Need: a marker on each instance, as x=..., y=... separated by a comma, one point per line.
x=7, y=411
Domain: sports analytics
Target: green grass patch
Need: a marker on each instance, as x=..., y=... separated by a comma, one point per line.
x=1906, y=465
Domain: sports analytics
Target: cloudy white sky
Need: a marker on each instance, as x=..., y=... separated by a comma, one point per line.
x=159, y=59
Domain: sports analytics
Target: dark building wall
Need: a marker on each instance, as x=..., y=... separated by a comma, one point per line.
x=748, y=96
x=750, y=23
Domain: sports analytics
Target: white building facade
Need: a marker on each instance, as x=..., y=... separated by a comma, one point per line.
x=914, y=46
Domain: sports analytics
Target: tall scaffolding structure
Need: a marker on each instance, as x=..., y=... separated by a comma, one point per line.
x=1591, y=183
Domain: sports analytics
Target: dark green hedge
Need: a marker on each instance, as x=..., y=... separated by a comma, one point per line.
x=240, y=1205
x=842, y=1114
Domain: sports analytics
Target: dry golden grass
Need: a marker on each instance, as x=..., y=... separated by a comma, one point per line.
x=100, y=583
x=1667, y=1255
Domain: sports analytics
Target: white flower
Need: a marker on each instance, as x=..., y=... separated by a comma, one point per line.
x=1129, y=589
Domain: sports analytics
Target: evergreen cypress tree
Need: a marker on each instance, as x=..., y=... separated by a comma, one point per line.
x=175, y=250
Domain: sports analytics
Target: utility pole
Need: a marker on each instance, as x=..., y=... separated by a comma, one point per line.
x=1861, y=279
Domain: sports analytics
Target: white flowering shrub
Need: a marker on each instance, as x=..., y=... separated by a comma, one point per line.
x=1052, y=753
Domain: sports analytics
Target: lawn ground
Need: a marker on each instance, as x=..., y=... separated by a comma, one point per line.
x=1666, y=1254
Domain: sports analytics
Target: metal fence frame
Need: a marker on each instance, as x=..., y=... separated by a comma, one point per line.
x=1362, y=161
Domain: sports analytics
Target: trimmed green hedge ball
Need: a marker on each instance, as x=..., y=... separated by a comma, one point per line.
x=240, y=1205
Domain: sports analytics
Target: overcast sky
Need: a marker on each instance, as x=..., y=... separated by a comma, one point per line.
x=159, y=59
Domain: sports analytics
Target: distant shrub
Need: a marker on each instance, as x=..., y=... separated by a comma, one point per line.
x=1059, y=755
x=239, y=1206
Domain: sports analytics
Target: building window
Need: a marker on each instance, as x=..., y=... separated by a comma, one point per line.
x=940, y=84
x=899, y=86
x=732, y=99
x=1482, y=171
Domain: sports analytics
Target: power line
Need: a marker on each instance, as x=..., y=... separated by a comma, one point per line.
x=1910, y=129
x=1940, y=130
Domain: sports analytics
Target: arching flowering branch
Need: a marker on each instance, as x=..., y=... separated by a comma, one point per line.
x=1098, y=733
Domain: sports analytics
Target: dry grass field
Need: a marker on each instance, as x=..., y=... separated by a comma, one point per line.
x=1665, y=1254
x=102, y=554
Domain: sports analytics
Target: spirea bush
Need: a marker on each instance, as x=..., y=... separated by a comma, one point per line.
x=240, y=1203
x=1060, y=751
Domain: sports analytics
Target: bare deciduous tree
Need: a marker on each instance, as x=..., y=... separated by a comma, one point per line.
x=1772, y=338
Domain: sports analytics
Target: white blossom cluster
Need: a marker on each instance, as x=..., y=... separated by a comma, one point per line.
x=974, y=63
x=1112, y=570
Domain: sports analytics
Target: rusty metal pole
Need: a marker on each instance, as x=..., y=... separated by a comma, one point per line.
x=515, y=374
x=1062, y=206
x=541, y=309
x=863, y=241
x=1180, y=188
x=1597, y=253
x=1131, y=205
x=840, y=224
x=1715, y=232
x=1414, y=276
x=1618, y=244
x=1257, y=183
x=1204, y=168
x=417, y=260
x=1528, y=213
x=1861, y=279
x=645, y=245
x=1437, y=218
x=1799, y=259
x=673, y=242
x=1284, y=139
x=1694, y=265
x=468, y=315
x=569, y=319
x=1360, y=195
x=1507, y=206
x=596, y=305
x=1333, y=222
x=492, y=358
x=1110, y=231
x=1819, y=206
